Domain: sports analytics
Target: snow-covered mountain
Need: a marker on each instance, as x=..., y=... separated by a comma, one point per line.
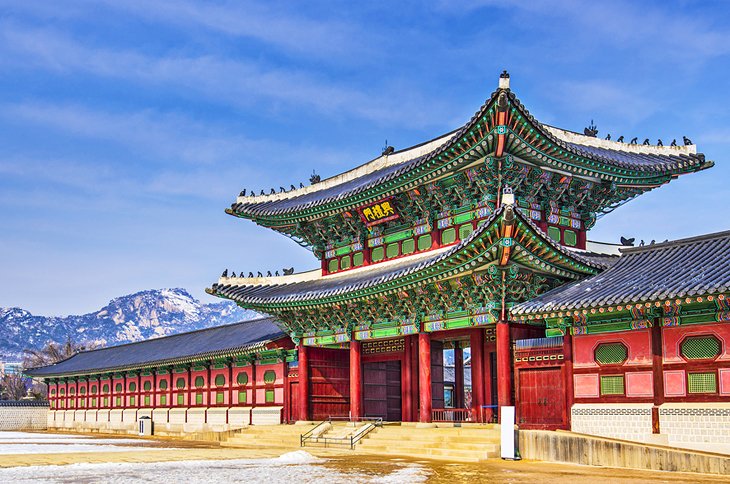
x=143, y=315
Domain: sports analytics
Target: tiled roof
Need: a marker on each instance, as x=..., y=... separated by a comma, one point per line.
x=178, y=348
x=681, y=268
x=650, y=160
x=377, y=274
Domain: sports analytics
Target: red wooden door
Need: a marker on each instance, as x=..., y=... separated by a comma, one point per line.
x=541, y=402
x=293, y=401
x=382, y=390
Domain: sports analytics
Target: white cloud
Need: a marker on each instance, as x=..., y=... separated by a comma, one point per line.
x=240, y=82
x=265, y=22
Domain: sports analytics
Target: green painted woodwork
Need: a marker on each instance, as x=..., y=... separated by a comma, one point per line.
x=146, y=400
x=180, y=399
x=132, y=401
x=220, y=380
x=554, y=233
x=391, y=250
x=269, y=376
x=163, y=385
x=105, y=388
x=448, y=236
x=570, y=238
x=612, y=385
x=345, y=263
x=106, y=401
x=198, y=398
x=269, y=396
x=408, y=246
x=700, y=347
x=242, y=378
x=611, y=353
x=180, y=383
x=163, y=400
x=398, y=236
x=702, y=382
x=425, y=242
x=378, y=254
x=465, y=230
x=343, y=250
x=242, y=396
x=147, y=386
x=357, y=259
x=333, y=265
x=118, y=387
x=219, y=398
x=463, y=217
x=199, y=382
x=118, y=402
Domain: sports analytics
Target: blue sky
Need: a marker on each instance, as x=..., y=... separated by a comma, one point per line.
x=128, y=127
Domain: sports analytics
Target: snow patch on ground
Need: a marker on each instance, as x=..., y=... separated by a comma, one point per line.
x=299, y=467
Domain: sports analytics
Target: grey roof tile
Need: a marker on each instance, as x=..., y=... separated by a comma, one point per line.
x=193, y=344
x=693, y=266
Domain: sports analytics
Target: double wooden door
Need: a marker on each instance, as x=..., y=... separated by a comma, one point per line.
x=541, y=398
x=382, y=390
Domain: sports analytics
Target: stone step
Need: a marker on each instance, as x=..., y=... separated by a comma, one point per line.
x=428, y=444
x=376, y=435
x=420, y=452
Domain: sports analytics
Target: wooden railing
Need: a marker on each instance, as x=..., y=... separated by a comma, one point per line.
x=484, y=414
x=452, y=415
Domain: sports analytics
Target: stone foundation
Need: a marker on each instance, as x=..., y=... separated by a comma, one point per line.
x=703, y=426
x=699, y=426
x=625, y=421
x=172, y=421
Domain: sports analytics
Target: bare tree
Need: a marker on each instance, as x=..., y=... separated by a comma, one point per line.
x=12, y=387
x=54, y=352
x=48, y=355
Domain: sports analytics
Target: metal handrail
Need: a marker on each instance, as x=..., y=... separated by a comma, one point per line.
x=351, y=440
x=308, y=435
x=354, y=439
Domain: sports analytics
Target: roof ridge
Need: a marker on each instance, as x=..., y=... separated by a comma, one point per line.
x=675, y=243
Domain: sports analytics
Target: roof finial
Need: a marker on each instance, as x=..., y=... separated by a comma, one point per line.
x=504, y=80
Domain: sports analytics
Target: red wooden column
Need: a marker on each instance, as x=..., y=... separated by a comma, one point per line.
x=230, y=385
x=406, y=385
x=568, y=368
x=190, y=399
x=303, y=384
x=476, y=343
x=424, y=376
x=658, y=372
x=170, y=388
x=285, y=381
x=504, y=367
x=355, y=380
x=458, y=376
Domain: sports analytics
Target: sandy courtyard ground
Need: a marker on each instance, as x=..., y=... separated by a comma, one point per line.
x=60, y=458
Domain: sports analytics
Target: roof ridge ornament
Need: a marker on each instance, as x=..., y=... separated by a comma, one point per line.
x=508, y=196
x=504, y=80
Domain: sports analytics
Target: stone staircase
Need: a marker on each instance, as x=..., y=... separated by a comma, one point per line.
x=258, y=436
x=473, y=443
x=469, y=443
